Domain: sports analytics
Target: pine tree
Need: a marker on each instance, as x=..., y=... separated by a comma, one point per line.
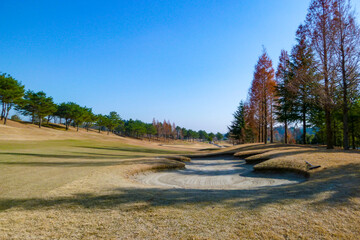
x=319, y=21
x=37, y=105
x=347, y=49
x=304, y=80
x=285, y=107
x=238, y=127
x=11, y=92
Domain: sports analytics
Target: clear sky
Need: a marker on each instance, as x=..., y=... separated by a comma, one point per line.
x=187, y=61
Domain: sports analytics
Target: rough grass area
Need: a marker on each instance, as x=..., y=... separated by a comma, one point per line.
x=80, y=189
x=283, y=165
x=31, y=168
x=245, y=154
x=178, y=158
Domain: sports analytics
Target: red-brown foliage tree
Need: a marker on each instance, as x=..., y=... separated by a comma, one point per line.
x=262, y=96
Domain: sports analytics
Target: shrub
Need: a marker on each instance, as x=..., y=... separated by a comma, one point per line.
x=15, y=118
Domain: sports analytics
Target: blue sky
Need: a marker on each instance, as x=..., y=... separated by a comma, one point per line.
x=190, y=62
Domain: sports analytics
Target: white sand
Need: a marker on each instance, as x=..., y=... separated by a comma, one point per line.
x=217, y=173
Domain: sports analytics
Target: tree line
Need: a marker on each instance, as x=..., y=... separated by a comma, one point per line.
x=315, y=85
x=42, y=110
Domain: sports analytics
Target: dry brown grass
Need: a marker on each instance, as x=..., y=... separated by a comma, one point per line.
x=249, y=153
x=82, y=189
x=16, y=131
x=178, y=158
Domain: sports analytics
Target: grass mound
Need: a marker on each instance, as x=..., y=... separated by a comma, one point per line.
x=178, y=158
x=249, y=153
x=153, y=164
x=283, y=165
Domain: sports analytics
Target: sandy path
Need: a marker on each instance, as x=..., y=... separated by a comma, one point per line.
x=223, y=172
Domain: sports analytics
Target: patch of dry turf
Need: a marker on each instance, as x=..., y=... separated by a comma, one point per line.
x=100, y=201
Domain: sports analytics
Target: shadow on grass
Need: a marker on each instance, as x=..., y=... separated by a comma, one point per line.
x=129, y=161
x=134, y=149
x=341, y=184
x=54, y=126
x=239, y=148
x=67, y=156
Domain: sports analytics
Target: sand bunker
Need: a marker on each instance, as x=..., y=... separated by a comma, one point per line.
x=223, y=172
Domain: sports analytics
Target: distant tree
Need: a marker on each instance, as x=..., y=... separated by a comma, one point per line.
x=113, y=121
x=52, y=115
x=173, y=131
x=211, y=137
x=82, y=116
x=158, y=127
x=11, y=92
x=178, y=132
x=89, y=118
x=184, y=132
x=192, y=135
x=66, y=111
x=77, y=115
x=203, y=135
x=195, y=135
x=102, y=121
x=150, y=130
x=238, y=127
x=38, y=105
x=219, y=136
x=285, y=107
x=15, y=118
x=139, y=128
x=27, y=107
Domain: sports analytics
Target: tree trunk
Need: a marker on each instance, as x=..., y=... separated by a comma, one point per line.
x=325, y=37
x=259, y=133
x=286, y=132
x=353, y=134
x=329, y=139
x=304, y=124
x=334, y=133
x=6, y=114
x=39, y=122
x=265, y=124
x=3, y=111
x=271, y=125
x=345, y=104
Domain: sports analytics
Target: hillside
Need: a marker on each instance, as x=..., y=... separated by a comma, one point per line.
x=16, y=131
